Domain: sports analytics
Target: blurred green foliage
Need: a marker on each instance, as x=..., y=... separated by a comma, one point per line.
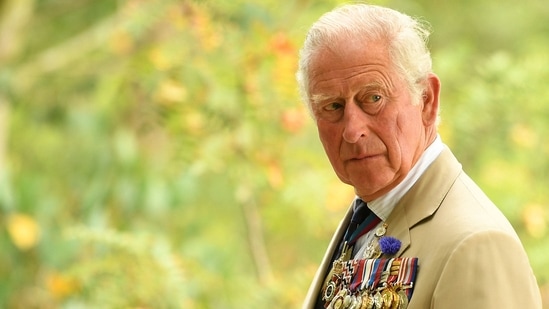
x=154, y=154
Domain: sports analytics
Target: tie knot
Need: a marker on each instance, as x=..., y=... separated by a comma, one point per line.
x=361, y=211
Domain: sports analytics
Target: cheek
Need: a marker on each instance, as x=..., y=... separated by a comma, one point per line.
x=409, y=135
x=330, y=140
x=327, y=133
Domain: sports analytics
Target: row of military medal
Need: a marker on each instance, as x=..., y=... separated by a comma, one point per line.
x=386, y=298
x=371, y=284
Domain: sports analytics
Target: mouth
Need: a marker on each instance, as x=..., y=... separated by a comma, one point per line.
x=364, y=157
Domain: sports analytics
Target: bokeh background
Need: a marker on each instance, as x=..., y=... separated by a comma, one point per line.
x=155, y=153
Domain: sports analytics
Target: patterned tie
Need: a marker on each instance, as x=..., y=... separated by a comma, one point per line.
x=361, y=212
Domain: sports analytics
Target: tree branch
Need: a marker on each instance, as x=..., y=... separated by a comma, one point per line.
x=256, y=241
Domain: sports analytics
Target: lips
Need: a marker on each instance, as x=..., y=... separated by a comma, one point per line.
x=357, y=152
x=362, y=157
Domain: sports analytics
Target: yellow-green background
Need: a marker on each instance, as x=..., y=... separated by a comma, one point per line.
x=155, y=154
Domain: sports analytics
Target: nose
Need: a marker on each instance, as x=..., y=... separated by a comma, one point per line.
x=354, y=122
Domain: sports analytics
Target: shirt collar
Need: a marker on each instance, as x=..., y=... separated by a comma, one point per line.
x=384, y=205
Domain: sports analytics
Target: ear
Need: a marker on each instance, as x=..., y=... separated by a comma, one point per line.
x=430, y=100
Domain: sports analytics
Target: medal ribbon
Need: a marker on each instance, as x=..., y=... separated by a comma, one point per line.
x=390, y=277
x=378, y=272
x=372, y=282
x=407, y=274
x=359, y=276
x=367, y=273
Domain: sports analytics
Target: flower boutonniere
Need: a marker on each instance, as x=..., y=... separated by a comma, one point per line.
x=389, y=245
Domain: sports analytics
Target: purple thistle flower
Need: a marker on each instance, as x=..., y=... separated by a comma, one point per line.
x=389, y=245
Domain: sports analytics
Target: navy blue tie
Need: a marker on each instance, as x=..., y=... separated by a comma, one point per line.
x=361, y=212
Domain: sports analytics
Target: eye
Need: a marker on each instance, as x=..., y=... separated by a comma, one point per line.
x=330, y=111
x=371, y=103
x=374, y=98
x=371, y=98
x=330, y=107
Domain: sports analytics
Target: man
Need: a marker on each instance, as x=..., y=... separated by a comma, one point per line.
x=431, y=238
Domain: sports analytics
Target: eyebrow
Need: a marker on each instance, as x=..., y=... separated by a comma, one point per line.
x=321, y=97
x=317, y=98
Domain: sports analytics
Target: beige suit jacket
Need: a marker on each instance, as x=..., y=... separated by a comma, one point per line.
x=469, y=255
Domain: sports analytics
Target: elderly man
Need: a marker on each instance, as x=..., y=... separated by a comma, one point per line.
x=420, y=233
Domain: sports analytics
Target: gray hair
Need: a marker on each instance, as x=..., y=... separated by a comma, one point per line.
x=406, y=38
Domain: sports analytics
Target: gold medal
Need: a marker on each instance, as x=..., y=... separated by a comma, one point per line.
x=369, y=302
x=354, y=303
x=358, y=303
x=364, y=296
x=338, y=303
x=378, y=300
x=377, y=252
x=373, y=251
x=396, y=301
x=380, y=231
x=338, y=267
x=347, y=301
x=403, y=299
x=387, y=297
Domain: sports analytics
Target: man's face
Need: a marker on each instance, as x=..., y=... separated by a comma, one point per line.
x=370, y=129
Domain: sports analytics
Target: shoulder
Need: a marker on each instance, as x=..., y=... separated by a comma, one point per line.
x=467, y=210
x=487, y=269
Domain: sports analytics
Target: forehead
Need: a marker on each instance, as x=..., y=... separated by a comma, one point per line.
x=348, y=64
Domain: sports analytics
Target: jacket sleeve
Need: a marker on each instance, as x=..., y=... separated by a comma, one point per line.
x=487, y=270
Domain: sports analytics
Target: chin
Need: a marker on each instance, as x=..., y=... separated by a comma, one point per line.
x=373, y=188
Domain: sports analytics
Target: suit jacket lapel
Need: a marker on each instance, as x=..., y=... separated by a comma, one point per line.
x=424, y=198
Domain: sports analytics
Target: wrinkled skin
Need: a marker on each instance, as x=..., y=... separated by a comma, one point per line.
x=370, y=128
